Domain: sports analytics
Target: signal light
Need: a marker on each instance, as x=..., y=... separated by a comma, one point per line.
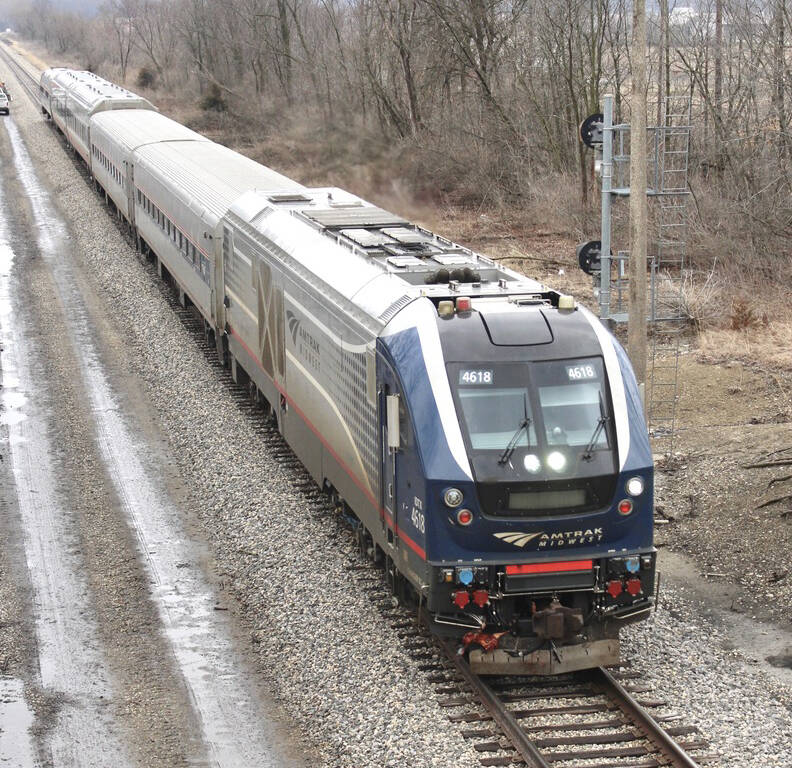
x=445, y=308
x=464, y=517
x=461, y=598
x=634, y=586
x=625, y=507
x=465, y=576
x=614, y=588
x=481, y=597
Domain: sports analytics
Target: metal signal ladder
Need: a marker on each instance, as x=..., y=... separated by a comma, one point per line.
x=667, y=312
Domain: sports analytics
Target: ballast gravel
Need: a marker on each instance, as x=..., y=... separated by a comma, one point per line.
x=329, y=657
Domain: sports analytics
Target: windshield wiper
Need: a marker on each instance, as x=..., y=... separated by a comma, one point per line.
x=512, y=444
x=588, y=452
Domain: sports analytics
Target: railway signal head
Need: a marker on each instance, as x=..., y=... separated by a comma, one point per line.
x=590, y=130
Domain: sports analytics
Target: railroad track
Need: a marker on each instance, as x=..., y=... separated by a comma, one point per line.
x=26, y=79
x=563, y=720
x=597, y=718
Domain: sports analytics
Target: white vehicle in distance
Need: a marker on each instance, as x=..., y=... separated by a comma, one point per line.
x=4, y=103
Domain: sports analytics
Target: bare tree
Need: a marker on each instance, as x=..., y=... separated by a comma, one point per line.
x=120, y=15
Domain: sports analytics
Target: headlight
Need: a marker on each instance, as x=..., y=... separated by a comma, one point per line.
x=635, y=486
x=452, y=497
x=532, y=463
x=556, y=461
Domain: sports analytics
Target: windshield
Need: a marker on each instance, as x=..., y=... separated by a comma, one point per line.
x=571, y=413
x=535, y=405
x=494, y=414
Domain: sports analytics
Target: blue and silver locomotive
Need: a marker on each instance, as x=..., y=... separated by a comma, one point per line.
x=486, y=432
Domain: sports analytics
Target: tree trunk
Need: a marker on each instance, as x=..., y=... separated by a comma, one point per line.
x=718, y=94
x=285, y=36
x=778, y=76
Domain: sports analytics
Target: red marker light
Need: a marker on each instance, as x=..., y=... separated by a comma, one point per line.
x=464, y=304
x=461, y=598
x=614, y=588
x=481, y=597
x=464, y=517
x=625, y=507
x=634, y=586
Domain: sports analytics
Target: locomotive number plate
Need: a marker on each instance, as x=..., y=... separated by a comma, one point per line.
x=476, y=376
x=581, y=372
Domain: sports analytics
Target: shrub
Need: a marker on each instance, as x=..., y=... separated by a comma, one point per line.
x=145, y=78
x=214, y=101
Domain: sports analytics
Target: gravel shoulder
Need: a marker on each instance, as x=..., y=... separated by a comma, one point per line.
x=337, y=668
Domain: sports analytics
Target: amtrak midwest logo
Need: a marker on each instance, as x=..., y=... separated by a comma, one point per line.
x=306, y=345
x=556, y=540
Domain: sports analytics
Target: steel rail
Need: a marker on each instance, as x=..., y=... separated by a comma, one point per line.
x=651, y=729
x=26, y=80
x=508, y=723
x=602, y=682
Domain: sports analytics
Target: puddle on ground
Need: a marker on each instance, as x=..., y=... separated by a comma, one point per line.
x=13, y=403
x=16, y=744
x=69, y=657
x=761, y=642
x=782, y=661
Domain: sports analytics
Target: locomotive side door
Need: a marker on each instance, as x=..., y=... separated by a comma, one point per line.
x=389, y=402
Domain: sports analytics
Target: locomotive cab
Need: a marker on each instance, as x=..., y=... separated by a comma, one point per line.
x=528, y=487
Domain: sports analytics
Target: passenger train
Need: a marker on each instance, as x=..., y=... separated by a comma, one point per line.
x=485, y=431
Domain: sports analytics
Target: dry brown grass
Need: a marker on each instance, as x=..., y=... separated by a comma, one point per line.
x=29, y=55
x=769, y=344
x=704, y=298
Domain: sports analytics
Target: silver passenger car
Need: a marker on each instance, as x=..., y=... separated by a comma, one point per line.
x=74, y=96
x=52, y=92
x=115, y=136
x=182, y=190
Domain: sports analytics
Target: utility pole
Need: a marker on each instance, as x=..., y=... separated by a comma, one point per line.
x=636, y=320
